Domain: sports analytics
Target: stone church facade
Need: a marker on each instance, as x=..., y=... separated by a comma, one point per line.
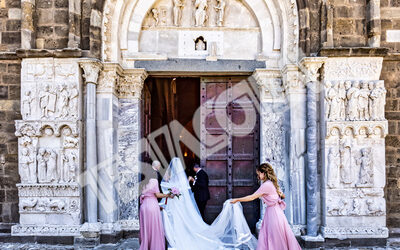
x=73, y=76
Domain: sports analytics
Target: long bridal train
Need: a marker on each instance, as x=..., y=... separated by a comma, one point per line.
x=184, y=227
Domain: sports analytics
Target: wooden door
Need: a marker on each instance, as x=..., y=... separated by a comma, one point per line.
x=146, y=121
x=230, y=143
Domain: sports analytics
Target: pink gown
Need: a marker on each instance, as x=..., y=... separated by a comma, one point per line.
x=275, y=233
x=151, y=226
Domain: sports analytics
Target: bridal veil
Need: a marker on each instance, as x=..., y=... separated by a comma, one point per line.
x=184, y=227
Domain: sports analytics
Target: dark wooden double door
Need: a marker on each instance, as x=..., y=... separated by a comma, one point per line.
x=230, y=143
x=229, y=135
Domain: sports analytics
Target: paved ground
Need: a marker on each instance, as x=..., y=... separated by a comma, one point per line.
x=130, y=244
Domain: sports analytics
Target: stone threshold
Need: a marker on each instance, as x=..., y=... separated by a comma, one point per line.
x=112, y=238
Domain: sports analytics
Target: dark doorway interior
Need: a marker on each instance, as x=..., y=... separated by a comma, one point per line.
x=166, y=100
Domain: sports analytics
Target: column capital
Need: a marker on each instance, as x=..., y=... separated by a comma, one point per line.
x=91, y=69
x=269, y=82
x=131, y=84
x=310, y=67
x=293, y=81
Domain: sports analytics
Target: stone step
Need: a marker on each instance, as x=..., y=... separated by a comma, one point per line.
x=394, y=232
x=393, y=242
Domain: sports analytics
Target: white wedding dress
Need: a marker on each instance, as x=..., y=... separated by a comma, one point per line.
x=186, y=230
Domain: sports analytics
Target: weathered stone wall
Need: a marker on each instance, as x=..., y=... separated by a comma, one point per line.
x=390, y=21
x=52, y=24
x=349, y=25
x=10, y=40
x=390, y=10
x=391, y=75
x=9, y=112
x=10, y=25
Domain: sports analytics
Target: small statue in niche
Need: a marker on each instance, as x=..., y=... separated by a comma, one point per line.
x=200, y=44
x=352, y=96
x=363, y=102
x=62, y=101
x=201, y=12
x=347, y=86
x=155, y=14
x=333, y=96
x=342, y=101
x=44, y=99
x=69, y=167
x=220, y=8
x=52, y=167
x=73, y=95
x=328, y=101
x=377, y=101
x=333, y=167
x=26, y=171
x=69, y=141
x=382, y=100
x=178, y=5
x=365, y=167
x=42, y=165
x=373, y=101
x=27, y=104
x=345, y=161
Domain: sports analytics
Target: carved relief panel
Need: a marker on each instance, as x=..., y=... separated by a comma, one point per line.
x=353, y=149
x=49, y=146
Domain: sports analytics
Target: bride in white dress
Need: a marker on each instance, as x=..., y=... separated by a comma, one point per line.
x=184, y=227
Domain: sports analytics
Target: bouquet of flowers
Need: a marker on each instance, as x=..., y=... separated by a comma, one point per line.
x=173, y=191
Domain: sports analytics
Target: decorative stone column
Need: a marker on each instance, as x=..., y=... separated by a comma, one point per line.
x=107, y=146
x=296, y=96
x=50, y=148
x=91, y=69
x=311, y=66
x=353, y=130
x=129, y=92
x=273, y=123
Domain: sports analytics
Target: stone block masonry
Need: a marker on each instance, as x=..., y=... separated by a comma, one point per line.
x=10, y=25
x=391, y=74
x=9, y=111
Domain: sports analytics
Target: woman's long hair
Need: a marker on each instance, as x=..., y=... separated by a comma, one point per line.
x=147, y=173
x=269, y=173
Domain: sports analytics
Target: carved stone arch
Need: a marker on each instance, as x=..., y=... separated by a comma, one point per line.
x=346, y=129
x=123, y=19
x=60, y=127
x=363, y=128
x=44, y=127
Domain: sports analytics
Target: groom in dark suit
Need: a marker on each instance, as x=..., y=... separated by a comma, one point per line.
x=200, y=188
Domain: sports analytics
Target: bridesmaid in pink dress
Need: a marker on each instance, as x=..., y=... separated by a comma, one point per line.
x=275, y=233
x=151, y=226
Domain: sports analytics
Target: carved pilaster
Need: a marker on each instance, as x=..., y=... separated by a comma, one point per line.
x=273, y=116
x=129, y=93
x=295, y=91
